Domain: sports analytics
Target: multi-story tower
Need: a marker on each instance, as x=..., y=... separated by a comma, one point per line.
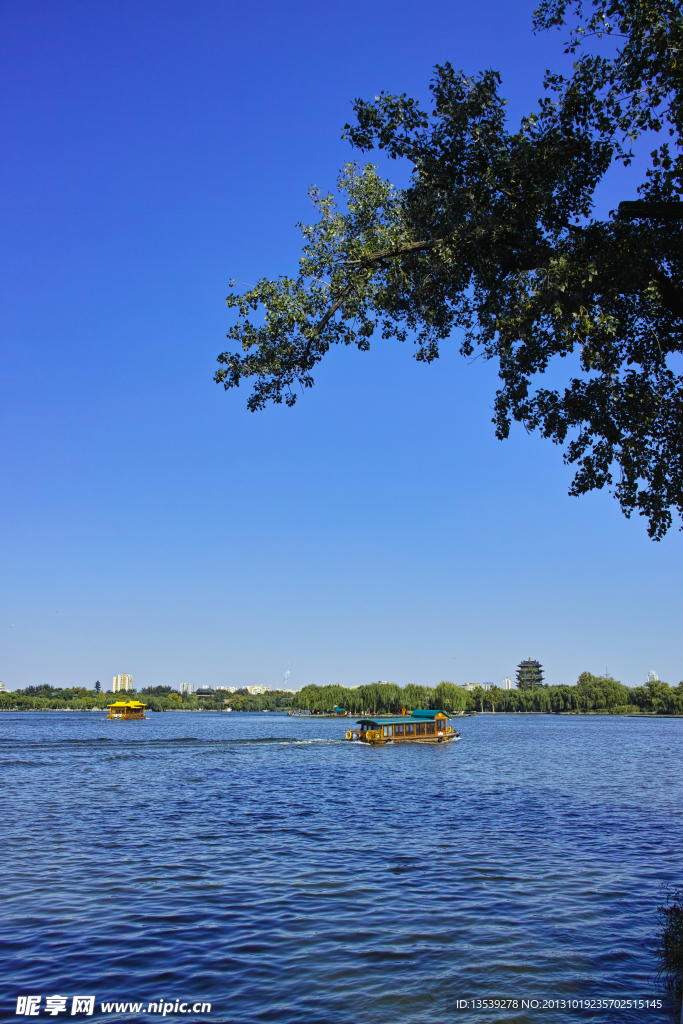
x=122, y=682
x=652, y=677
x=507, y=684
x=529, y=675
x=187, y=688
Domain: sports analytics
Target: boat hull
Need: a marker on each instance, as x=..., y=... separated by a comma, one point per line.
x=384, y=743
x=381, y=741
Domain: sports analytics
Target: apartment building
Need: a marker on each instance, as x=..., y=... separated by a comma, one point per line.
x=122, y=682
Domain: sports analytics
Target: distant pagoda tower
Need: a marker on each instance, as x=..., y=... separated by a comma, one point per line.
x=529, y=675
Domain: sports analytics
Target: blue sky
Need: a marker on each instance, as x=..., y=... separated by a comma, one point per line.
x=150, y=524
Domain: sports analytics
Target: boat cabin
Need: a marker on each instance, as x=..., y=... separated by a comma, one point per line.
x=126, y=709
x=419, y=726
x=339, y=712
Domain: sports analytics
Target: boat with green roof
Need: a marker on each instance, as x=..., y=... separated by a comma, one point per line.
x=417, y=727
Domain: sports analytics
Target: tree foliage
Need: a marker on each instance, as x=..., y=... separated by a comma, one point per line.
x=592, y=694
x=157, y=698
x=494, y=238
x=448, y=697
x=670, y=947
x=381, y=697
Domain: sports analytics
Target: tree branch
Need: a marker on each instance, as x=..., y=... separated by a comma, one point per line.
x=325, y=319
x=373, y=257
x=401, y=250
x=671, y=294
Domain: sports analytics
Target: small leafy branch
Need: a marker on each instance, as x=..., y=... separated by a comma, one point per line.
x=670, y=949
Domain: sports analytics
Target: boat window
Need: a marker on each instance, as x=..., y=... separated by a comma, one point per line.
x=420, y=728
x=431, y=727
x=398, y=730
x=410, y=730
x=387, y=730
x=440, y=724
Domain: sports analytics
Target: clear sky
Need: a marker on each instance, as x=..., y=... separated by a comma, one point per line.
x=150, y=524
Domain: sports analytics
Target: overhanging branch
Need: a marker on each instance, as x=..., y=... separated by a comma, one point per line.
x=325, y=319
x=401, y=250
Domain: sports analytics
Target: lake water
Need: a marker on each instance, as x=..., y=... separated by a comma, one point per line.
x=260, y=863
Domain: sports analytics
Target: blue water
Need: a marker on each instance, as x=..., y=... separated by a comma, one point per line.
x=259, y=863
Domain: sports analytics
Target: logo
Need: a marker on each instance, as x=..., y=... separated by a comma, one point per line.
x=29, y=1006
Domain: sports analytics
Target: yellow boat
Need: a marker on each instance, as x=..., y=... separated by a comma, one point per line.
x=418, y=727
x=126, y=709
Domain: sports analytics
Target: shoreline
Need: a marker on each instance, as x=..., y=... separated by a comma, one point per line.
x=338, y=718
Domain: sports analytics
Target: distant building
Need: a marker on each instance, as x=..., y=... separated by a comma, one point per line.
x=507, y=684
x=529, y=675
x=205, y=691
x=477, y=686
x=122, y=682
x=186, y=688
x=2, y=687
x=652, y=677
x=256, y=690
x=487, y=686
x=227, y=689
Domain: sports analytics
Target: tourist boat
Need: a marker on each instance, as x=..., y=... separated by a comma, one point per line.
x=126, y=709
x=417, y=727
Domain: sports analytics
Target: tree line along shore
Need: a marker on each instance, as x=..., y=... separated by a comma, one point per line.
x=591, y=695
x=157, y=698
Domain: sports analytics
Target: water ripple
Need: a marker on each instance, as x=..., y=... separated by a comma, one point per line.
x=283, y=875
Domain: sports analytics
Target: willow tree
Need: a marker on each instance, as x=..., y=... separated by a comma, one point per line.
x=415, y=696
x=494, y=242
x=449, y=697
